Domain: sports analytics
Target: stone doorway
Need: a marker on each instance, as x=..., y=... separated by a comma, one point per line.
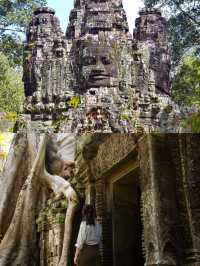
x=126, y=221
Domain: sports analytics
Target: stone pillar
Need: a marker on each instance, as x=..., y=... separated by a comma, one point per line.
x=190, y=158
x=106, y=249
x=159, y=211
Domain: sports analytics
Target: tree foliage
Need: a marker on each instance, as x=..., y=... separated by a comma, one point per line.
x=192, y=123
x=14, y=17
x=184, y=24
x=5, y=141
x=184, y=29
x=186, y=84
x=11, y=87
x=2, y=146
x=186, y=90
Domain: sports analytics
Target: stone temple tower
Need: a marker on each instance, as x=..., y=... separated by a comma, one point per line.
x=98, y=78
x=45, y=66
x=151, y=35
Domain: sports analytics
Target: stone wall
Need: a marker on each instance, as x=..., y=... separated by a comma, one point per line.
x=101, y=160
x=167, y=220
x=166, y=170
x=162, y=246
x=51, y=227
x=169, y=183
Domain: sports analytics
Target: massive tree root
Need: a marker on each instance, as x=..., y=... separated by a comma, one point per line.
x=12, y=181
x=19, y=245
x=59, y=185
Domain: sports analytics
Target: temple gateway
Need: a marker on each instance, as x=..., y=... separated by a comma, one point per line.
x=98, y=77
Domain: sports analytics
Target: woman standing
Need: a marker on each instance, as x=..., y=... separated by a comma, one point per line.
x=89, y=238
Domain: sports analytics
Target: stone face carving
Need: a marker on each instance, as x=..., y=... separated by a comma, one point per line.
x=44, y=66
x=100, y=64
x=151, y=28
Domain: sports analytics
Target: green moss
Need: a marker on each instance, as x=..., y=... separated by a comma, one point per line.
x=61, y=220
x=64, y=204
x=32, y=45
x=124, y=117
x=58, y=122
x=74, y=102
x=11, y=116
x=168, y=109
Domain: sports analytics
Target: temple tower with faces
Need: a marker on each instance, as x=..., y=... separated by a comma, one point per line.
x=45, y=67
x=98, y=77
x=151, y=32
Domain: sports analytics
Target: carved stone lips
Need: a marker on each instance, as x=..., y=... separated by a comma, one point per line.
x=99, y=76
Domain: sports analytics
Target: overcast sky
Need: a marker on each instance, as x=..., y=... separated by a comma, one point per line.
x=63, y=8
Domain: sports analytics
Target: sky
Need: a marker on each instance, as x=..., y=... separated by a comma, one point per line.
x=63, y=8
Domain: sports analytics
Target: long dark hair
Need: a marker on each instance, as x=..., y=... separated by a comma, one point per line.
x=89, y=214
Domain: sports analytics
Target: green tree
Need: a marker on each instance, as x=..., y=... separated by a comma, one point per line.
x=11, y=87
x=186, y=84
x=184, y=25
x=184, y=28
x=192, y=123
x=186, y=90
x=14, y=17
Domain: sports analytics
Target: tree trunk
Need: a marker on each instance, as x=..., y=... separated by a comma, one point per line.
x=12, y=180
x=65, y=256
x=19, y=245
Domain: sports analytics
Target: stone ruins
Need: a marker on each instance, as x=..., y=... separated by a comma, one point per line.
x=145, y=189
x=133, y=180
x=98, y=77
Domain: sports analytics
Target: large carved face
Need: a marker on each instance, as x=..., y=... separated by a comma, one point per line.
x=98, y=67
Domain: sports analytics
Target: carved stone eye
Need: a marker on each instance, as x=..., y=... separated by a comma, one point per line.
x=42, y=20
x=94, y=13
x=89, y=61
x=92, y=92
x=106, y=61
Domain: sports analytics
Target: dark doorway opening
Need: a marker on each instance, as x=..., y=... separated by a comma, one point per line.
x=127, y=224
